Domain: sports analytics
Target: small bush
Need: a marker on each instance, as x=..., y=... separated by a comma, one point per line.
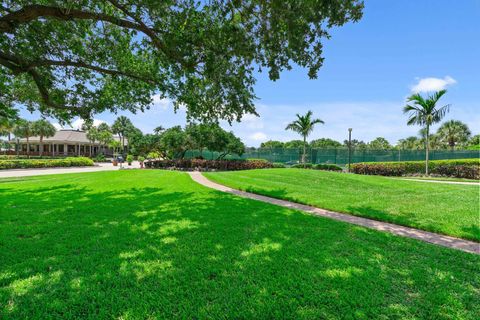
x=129, y=159
x=278, y=165
x=328, y=167
x=153, y=155
x=140, y=158
x=207, y=165
x=100, y=158
x=45, y=163
x=462, y=168
x=303, y=165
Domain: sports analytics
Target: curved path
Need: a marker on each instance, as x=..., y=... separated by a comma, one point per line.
x=438, y=239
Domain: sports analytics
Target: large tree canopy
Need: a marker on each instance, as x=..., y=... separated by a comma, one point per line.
x=77, y=58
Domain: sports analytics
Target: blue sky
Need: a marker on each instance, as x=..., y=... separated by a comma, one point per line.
x=370, y=68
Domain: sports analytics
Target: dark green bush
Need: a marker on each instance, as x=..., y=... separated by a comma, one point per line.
x=328, y=167
x=302, y=165
x=45, y=163
x=459, y=168
x=206, y=165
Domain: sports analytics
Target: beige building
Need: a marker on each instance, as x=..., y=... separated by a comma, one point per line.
x=65, y=143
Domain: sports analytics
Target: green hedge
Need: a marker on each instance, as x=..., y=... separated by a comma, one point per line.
x=320, y=166
x=207, y=165
x=459, y=168
x=45, y=163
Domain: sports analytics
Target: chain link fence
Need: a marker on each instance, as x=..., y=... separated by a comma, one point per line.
x=339, y=156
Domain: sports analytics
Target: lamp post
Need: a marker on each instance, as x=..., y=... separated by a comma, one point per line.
x=349, y=148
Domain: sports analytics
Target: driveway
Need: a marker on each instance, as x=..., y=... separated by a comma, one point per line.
x=43, y=171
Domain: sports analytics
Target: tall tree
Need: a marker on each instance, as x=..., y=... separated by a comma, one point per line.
x=272, y=144
x=43, y=129
x=121, y=127
x=77, y=58
x=23, y=129
x=454, y=132
x=425, y=112
x=92, y=136
x=104, y=135
x=325, y=143
x=304, y=126
x=7, y=125
x=379, y=143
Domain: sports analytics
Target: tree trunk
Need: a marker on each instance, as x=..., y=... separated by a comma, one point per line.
x=427, y=149
x=304, y=150
x=28, y=148
x=41, y=146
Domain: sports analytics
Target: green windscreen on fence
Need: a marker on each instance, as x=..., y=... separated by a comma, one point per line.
x=339, y=156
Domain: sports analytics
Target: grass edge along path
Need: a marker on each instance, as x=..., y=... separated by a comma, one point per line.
x=426, y=236
x=449, y=209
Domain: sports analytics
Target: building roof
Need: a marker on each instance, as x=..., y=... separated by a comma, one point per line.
x=67, y=136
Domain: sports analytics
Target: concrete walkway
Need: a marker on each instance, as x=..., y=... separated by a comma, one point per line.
x=443, y=181
x=441, y=240
x=44, y=171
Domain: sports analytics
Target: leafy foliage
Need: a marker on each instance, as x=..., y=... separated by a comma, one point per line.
x=453, y=133
x=78, y=58
x=206, y=165
x=324, y=143
x=463, y=168
x=425, y=112
x=45, y=163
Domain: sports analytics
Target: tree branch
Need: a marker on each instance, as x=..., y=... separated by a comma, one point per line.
x=81, y=64
x=11, y=21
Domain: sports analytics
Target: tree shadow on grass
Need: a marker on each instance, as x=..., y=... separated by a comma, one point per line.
x=412, y=220
x=71, y=251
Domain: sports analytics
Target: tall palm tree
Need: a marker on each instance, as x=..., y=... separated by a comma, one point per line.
x=43, y=129
x=424, y=112
x=23, y=129
x=121, y=126
x=454, y=132
x=6, y=129
x=92, y=136
x=304, y=126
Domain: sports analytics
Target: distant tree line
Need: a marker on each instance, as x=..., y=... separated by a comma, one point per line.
x=451, y=135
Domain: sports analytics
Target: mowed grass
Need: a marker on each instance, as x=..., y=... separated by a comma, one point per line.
x=154, y=244
x=442, y=208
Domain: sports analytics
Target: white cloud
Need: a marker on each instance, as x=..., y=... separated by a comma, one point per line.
x=252, y=121
x=159, y=102
x=432, y=84
x=258, y=136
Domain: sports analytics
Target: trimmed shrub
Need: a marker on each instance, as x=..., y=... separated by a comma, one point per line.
x=207, y=165
x=45, y=163
x=278, y=165
x=328, y=167
x=462, y=168
x=302, y=165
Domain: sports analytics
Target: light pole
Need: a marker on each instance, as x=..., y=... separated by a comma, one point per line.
x=349, y=147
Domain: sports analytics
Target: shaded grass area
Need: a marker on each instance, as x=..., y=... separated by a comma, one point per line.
x=154, y=244
x=442, y=208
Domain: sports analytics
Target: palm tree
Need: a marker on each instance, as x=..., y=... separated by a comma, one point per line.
x=121, y=126
x=304, y=126
x=24, y=129
x=6, y=128
x=92, y=136
x=43, y=129
x=454, y=132
x=424, y=112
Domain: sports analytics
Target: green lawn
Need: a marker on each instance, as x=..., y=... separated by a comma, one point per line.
x=443, y=208
x=153, y=244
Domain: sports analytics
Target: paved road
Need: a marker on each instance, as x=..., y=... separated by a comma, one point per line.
x=438, y=239
x=43, y=171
